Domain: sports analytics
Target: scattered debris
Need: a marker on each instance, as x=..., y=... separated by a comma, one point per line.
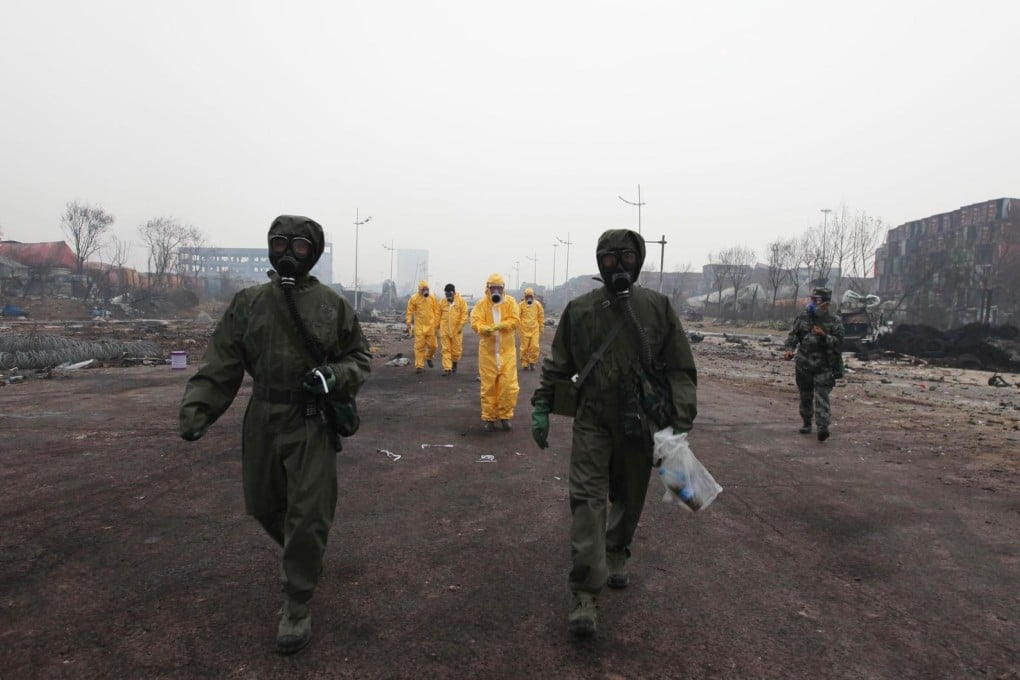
x=398, y=360
x=394, y=456
x=486, y=458
x=437, y=446
x=974, y=346
x=997, y=381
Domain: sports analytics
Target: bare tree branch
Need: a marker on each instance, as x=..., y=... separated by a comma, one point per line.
x=84, y=226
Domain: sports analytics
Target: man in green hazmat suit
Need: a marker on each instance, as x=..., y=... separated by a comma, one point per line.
x=642, y=378
x=289, y=439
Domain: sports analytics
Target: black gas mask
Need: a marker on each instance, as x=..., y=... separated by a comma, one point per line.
x=618, y=269
x=291, y=256
x=496, y=294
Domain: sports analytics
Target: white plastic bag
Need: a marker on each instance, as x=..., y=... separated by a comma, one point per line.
x=687, y=482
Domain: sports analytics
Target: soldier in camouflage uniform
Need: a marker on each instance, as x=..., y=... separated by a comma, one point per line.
x=618, y=408
x=288, y=458
x=816, y=336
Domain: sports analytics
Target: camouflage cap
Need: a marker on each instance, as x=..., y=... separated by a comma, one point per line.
x=824, y=294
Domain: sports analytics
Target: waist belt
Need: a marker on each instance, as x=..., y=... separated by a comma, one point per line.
x=278, y=396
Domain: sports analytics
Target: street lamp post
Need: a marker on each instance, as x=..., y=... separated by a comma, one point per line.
x=638, y=204
x=534, y=274
x=517, y=268
x=825, y=223
x=357, y=227
x=566, y=276
x=391, y=249
x=555, y=246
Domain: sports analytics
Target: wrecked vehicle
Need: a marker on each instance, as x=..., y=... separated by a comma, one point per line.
x=862, y=324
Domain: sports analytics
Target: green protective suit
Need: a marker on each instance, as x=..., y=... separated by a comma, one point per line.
x=604, y=461
x=288, y=459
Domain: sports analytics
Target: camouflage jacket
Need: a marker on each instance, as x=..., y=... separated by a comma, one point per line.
x=816, y=353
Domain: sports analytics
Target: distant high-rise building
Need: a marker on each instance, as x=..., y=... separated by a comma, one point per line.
x=412, y=267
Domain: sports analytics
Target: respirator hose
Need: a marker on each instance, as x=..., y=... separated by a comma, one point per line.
x=642, y=337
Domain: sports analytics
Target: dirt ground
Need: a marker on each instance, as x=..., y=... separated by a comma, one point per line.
x=889, y=551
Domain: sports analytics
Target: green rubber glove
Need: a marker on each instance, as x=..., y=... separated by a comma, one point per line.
x=540, y=424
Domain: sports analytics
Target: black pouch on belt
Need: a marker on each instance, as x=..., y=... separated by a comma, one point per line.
x=564, y=398
x=632, y=416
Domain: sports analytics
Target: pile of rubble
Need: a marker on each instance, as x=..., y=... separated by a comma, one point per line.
x=974, y=346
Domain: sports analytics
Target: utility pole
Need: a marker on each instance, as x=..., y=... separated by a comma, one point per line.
x=638, y=204
x=357, y=227
x=534, y=275
x=517, y=268
x=662, y=257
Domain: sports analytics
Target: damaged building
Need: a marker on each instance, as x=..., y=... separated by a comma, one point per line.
x=956, y=267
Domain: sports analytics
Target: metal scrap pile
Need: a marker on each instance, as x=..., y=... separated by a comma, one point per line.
x=975, y=346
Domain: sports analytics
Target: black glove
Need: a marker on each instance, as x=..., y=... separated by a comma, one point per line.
x=192, y=435
x=320, y=380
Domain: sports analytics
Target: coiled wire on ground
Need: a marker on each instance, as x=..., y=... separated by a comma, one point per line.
x=40, y=350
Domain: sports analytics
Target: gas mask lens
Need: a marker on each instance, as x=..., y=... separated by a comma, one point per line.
x=299, y=246
x=612, y=259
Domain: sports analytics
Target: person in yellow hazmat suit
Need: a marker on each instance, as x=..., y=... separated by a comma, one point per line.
x=423, y=317
x=453, y=315
x=495, y=319
x=532, y=324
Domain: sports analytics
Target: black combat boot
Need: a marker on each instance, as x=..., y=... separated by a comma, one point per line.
x=823, y=434
x=806, y=429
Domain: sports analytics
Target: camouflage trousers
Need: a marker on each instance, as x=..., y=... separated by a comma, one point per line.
x=814, y=391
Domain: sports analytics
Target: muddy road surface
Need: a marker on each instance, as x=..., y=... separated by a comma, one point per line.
x=889, y=551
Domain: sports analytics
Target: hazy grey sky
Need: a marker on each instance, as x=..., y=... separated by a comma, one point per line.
x=483, y=131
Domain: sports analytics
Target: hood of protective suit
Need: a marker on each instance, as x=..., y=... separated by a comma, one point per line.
x=298, y=225
x=495, y=280
x=529, y=291
x=422, y=285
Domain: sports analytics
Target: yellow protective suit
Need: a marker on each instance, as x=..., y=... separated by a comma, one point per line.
x=532, y=325
x=423, y=313
x=496, y=325
x=452, y=318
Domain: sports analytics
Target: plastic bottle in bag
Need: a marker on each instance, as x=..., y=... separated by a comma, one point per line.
x=676, y=482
